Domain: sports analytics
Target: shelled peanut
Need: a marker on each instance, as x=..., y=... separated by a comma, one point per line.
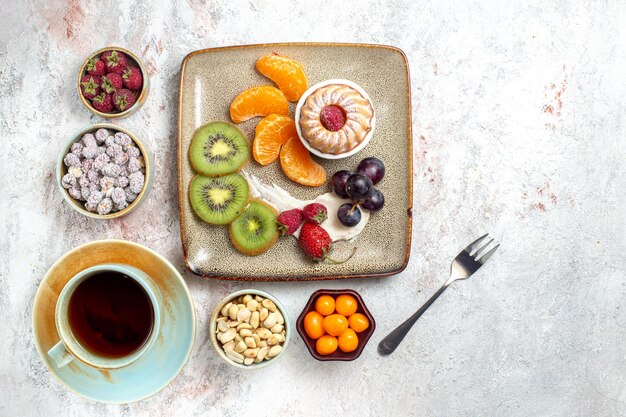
x=250, y=329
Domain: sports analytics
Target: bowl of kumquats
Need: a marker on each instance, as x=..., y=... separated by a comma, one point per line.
x=335, y=325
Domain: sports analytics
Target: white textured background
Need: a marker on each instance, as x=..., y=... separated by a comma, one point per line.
x=519, y=129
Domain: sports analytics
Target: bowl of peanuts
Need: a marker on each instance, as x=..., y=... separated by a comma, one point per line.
x=249, y=329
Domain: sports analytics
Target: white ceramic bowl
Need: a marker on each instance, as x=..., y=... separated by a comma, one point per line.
x=213, y=329
x=307, y=93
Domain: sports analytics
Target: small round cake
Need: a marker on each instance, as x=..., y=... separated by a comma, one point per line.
x=336, y=118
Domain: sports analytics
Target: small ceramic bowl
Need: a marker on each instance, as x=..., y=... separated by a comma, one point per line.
x=306, y=95
x=213, y=328
x=61, y=170
x=140, y=96
x=338, y=355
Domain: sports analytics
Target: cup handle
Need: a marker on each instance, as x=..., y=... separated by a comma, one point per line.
x=60, y=355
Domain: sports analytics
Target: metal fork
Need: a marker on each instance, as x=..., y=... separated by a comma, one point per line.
x=463, y=266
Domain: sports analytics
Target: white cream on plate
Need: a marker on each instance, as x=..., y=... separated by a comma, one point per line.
x=281, y=200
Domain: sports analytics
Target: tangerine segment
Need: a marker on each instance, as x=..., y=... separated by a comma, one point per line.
x=258, y=101
x=271, y=133
x=287, y=73
x=298, y=165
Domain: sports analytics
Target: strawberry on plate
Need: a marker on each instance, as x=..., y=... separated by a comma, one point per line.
x=289, y=221
x=315, y=242
x=315, y=213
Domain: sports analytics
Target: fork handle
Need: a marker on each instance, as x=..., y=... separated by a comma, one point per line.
x=393, y=339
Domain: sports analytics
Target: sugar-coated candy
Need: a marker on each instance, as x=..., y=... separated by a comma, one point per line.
x=133, y=151
x=111, y=170
x=89, y=140
x=101, y=161
x=68, y=181
x=90, y=152
x=135, y=182
x=105, y=206
x=122, y=139
x=121, y=181
x=95, y=197
x=71, y=160
x=75, y=193
x=118, y=195
x=75, y=172
x=93, y=176
x=133, y=165
x=77, y=148
x=121, y=206
x=130, y=196
x=102, y=134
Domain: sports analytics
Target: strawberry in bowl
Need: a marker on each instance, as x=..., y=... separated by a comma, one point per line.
x=113, y=82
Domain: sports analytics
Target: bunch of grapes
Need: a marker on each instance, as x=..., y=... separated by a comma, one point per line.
x=359, y=187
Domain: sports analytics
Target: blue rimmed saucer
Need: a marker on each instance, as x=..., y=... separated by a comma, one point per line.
x=157, y=367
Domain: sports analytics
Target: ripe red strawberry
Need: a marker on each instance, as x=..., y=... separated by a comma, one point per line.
x=111, y=82
x=95, y=66
x=315, y=213
x=90, y=86
x=316, y=243
x=123, y=99
x=289, y=221
x=115, y=61
x=132, y=78
x=103, y=103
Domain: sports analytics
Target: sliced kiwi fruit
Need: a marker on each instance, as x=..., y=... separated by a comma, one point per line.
x=219, y=200
x=218, y=148
x=255, y=231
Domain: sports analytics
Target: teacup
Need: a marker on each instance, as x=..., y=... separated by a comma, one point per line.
x=107, y=317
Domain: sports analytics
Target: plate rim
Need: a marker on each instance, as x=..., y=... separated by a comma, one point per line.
x=288, y=277
x=184, y=286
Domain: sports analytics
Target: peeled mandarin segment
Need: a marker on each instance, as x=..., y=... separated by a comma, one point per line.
x=287, y=73
x=258, y=101
x=298, y=165
x=271, y=133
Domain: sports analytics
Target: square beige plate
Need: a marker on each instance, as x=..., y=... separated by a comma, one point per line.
x=210, y=79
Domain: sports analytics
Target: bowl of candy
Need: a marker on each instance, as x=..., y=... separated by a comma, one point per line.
x=104, y=171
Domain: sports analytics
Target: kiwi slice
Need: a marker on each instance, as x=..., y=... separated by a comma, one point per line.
x=218, y=148
x=255, y=231
x=218, y=200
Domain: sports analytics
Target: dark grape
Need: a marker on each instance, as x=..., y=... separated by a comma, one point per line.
x=375, y=201
x=372, y=168
x=348, y=215
x=358, y=187
x=339, y=182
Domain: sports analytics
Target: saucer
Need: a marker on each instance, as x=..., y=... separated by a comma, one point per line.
x=158, y=366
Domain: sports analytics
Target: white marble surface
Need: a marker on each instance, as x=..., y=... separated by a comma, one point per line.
x=519, y=128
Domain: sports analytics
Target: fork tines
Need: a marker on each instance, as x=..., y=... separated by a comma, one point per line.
x=478, y=248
